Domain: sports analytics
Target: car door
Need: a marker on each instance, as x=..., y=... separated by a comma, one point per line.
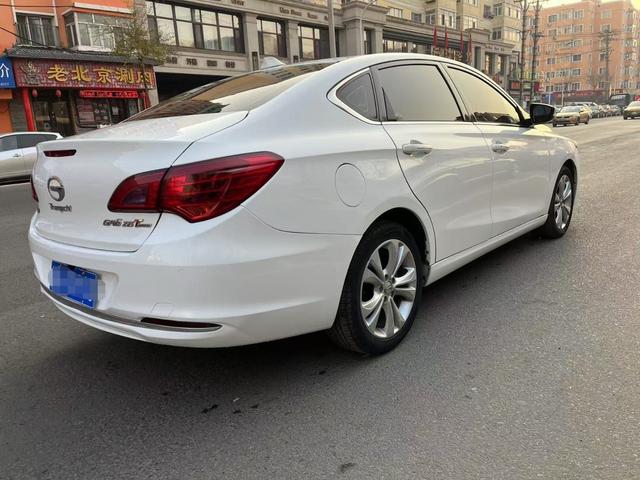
x=444, y=158
x=520, y=153
x=27, y=142
x=11, y=164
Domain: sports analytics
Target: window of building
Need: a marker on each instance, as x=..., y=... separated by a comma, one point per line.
x=603, y=57
x=395, y=12
x=496, y=35
x=271, y=38
x=94, y=30
x=552, y=18
x=473, y=2
x=575, y=86
x=469, y=22
x=416, y=17
x=447, y=19
x=552, y=32
x=417, y=93
x=576, y=57
x=314, y=42
x=486, y=103
x=605, y=14
x=195, y=28
x=431, y=18
x=358, y=94
x=578, y=14
x=605, y=28
x=602, y=70
x=487, y=12
x=398, y=46
x=498, y=10
x=36, y=30
x=368, y=41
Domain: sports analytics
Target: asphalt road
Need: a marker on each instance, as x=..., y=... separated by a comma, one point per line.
x=522, y=365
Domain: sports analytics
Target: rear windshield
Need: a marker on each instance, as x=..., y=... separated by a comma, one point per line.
x=241, y=93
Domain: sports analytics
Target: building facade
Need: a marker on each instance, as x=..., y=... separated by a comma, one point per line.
x=587, y=51
x=60, y=53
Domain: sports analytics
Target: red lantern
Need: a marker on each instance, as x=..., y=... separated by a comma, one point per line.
x=34, y=93
x=58, y=93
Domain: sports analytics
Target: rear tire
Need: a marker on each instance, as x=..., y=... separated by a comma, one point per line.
x=380, y=297
x=561, y=205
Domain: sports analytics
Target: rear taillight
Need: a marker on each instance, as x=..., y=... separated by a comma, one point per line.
x=138, y=193
x=59, y=153
x=197, y=191
x=34, y=195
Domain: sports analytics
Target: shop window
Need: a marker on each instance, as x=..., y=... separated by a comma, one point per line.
x=398, y=46
x=314, y=42
x=36, y=30
x=271, y=38
x=93, y=30
x=194, y=27
x=92, y=113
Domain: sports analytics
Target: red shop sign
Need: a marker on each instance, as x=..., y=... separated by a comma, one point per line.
x=108, y=94
x=70, y=74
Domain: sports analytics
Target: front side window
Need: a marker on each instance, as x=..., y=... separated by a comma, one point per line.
x=195, y=28
x=358, y=94
x=271, y=38
x=235, y=94
x=8, y=143
x=417, y=93
x=486, y=103
x=35, y=30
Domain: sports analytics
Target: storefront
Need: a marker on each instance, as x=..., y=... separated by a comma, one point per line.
x=71, y=96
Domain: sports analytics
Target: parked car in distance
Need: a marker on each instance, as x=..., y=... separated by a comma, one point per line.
x=18, y=153
x=294, y=199
x=572, y=115
x=615, y=110
x=632, y=110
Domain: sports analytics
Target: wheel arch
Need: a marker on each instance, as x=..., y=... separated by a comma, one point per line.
x=412, y=222
x=574, y=171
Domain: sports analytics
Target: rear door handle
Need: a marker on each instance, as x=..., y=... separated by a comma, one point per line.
x=416, y=147
x=16, y=155
x=499, y=147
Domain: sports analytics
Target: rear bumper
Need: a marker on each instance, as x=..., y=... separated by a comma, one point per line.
x=245, y=280
x=563, y=121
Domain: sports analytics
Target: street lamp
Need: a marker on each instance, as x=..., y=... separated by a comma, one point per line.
x=361, y=28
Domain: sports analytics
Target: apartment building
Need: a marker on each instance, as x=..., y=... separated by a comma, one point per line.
x=588, y=50
x=67, y=80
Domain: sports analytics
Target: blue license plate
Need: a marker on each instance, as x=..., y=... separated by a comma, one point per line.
x=75, y=283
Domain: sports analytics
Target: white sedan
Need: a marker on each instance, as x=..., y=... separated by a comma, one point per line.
x=18, y=153
x=315, y=196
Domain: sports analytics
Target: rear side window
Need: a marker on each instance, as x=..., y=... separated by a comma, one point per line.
x=486, y=103
x=235, y=94
x=8, y=143
x=358, y=95
x=26, y=141
x=417, y=93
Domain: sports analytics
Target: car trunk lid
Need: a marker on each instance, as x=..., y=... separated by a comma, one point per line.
x=74, y=186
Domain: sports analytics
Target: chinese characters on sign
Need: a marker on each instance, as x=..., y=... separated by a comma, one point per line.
x=51, y=73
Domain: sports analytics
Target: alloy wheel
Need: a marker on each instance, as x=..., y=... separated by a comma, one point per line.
x=388, y=288
x=563, y=202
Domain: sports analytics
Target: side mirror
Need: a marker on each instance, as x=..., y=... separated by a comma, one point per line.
x=541, y=113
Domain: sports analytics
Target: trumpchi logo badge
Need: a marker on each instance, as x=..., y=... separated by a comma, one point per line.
x=56, y=189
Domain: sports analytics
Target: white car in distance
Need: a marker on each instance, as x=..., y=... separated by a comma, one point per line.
x=18, y=153
x=315, y=196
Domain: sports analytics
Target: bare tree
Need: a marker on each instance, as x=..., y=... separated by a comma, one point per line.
x=143, y=47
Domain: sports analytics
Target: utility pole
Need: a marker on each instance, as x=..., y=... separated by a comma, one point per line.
x=534, y=57
x=525, y=9
x=332, y=30
x=607, y=36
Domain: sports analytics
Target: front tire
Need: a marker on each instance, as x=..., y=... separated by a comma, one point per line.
x=381, y=293
x=561, y=205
